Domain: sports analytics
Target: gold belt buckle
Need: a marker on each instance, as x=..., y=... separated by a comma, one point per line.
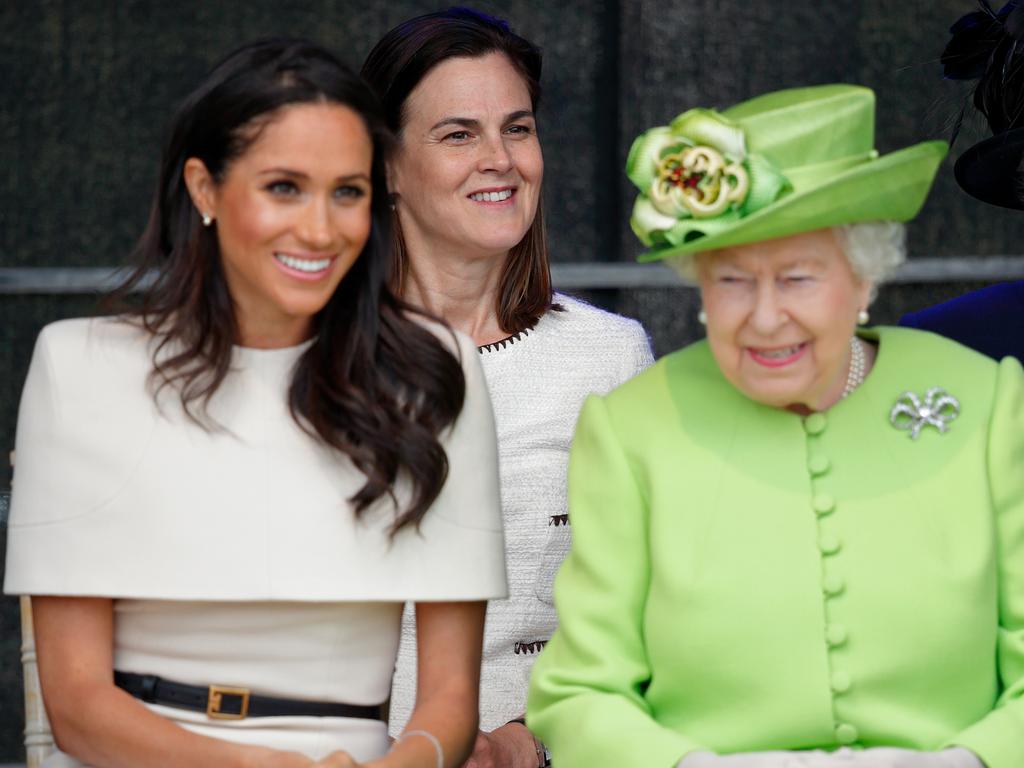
x=215, y=700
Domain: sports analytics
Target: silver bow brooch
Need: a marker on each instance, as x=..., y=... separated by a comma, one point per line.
x=938, y=409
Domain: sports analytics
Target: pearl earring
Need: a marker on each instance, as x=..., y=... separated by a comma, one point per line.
x=702, y=317
x=863, y=317
x=207, y=220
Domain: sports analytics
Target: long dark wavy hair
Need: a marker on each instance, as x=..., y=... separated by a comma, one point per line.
x=396, y=65
x=374, y=384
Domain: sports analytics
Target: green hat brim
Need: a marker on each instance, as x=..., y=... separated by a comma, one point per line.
x=889, y=188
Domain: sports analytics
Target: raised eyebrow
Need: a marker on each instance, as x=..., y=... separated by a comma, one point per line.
x=462, y=122
x=291, y=173
x=354, y=177
x=284, y=172
x=468, y=122
x=520, y=115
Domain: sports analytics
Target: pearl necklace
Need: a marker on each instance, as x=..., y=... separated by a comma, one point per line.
x=858, y=367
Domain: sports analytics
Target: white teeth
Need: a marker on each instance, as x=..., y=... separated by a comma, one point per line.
x=491, y=197
x=303, y=265
x=778, y=354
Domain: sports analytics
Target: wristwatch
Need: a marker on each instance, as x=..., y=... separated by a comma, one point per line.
x=543, y=755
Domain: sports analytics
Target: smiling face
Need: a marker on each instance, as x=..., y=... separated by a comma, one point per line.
x=292, y=214
x=468, y=170
x=780, y=315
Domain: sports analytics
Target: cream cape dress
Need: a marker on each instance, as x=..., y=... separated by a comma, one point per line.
x=232, y=552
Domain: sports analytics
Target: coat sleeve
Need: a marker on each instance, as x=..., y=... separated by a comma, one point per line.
x=586, y=698
x=639, y=356
x=998, y=738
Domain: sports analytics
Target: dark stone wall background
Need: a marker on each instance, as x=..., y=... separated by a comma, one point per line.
x=88, y=86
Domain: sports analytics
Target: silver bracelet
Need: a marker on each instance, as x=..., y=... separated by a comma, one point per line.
x=432, y=739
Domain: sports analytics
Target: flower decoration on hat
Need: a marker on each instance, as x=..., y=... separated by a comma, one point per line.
x=778, y=164
x=696, y=178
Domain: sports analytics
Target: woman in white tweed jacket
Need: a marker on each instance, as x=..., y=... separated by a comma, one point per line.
x=459, y=91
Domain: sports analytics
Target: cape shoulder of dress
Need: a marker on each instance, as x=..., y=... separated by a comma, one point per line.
x=120, y=495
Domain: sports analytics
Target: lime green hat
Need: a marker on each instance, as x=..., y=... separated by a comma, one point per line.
x=782, y=163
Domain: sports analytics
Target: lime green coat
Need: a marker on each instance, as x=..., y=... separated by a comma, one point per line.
x=742, y=579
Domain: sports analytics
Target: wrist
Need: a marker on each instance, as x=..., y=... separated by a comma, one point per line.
x=253, y=757
x=419, y=734
x=540, y=752
x=264, y=757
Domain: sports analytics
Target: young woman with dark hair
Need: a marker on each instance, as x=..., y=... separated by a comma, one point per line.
x=259, y=459
x=460, y=91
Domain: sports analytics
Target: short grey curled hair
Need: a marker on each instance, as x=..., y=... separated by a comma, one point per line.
x=874, y=250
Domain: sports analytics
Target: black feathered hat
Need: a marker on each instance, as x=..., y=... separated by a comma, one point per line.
x=988, y=46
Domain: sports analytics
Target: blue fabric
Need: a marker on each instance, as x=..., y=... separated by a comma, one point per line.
x=990, y=320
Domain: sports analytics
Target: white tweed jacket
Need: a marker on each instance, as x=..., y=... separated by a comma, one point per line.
x=538, y=381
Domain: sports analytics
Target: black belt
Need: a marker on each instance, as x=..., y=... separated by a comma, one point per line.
x=223, y=702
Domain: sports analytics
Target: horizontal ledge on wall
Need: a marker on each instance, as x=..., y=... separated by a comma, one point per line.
x=57, y=280
x=952, y=269
x=591, y=275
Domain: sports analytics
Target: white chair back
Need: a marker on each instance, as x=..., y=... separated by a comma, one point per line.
x=38, y=736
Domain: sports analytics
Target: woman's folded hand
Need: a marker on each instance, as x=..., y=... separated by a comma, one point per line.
x=777, y=759
x=891, y=757
x=877, y=757
x=510, y=746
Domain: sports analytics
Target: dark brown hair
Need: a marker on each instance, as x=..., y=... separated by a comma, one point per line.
x=396, y=65
x=373, y=384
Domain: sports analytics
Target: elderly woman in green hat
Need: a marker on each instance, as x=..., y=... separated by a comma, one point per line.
x=798, y=542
